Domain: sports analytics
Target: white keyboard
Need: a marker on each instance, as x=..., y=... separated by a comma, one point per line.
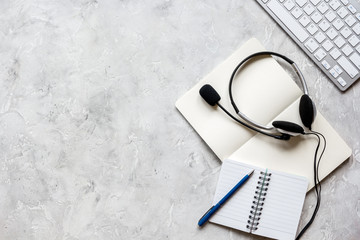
x=327, y=30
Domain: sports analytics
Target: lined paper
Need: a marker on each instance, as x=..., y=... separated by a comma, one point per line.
x=282, y=206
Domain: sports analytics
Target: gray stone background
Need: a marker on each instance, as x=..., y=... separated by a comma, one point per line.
x=91, y=144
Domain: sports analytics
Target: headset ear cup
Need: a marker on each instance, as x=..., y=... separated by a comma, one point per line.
x=307, y=110
x=289, y=128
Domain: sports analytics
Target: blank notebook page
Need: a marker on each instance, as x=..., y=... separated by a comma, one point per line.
x=282, y=204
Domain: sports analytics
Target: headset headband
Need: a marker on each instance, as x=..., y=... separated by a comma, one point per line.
x=264, y=53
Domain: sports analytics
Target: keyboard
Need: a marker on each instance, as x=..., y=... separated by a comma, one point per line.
x=328, y=31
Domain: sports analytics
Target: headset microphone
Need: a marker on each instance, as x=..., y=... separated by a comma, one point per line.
x=209, y=94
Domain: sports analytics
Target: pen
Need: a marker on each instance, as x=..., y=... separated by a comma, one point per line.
x=214, y=208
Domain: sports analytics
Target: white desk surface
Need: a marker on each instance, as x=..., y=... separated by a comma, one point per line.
x=92, y=146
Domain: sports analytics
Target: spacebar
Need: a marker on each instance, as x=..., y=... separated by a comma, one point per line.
x=288, y=20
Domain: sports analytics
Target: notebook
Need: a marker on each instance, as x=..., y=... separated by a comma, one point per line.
x=265, y=92
x=269, y=204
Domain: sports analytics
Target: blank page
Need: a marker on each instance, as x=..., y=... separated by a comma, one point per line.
x=262, y=91
x=282, y=207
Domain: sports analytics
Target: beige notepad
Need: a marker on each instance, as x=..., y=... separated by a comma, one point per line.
x=265, y=92
x=268, y=204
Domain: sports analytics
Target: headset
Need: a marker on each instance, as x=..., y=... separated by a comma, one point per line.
x=281, y=130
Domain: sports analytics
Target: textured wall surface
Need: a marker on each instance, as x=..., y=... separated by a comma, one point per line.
x=92, y=146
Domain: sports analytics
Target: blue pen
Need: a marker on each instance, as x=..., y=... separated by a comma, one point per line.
x=214, y=208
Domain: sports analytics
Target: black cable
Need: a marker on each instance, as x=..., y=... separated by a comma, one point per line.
x=317, y=186
x=323, y=137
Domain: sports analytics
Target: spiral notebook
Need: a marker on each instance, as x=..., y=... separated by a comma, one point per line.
x=269, y=204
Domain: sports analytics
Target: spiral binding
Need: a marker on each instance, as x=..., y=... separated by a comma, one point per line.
x=258, y=202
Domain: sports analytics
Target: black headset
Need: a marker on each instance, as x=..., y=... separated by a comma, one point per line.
x=282, y=130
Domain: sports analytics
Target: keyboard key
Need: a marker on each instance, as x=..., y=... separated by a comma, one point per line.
x=350, y=20
x=312, y=28
x=330, y=15
x=327, y=45
x=338, y=24
x=358, y=48
x=355, y=58
x=334, y=4
x=296, y=12
x=347, y=49
x=352, y=9
x=289, y=4
x=320, y=54
x=311, y=45
x=338, y=69
x=315, y=2
x=288, y=20
x=325, y=64
x=335, y=53
x=358, y=16
x=342, y=12
x=341, y=81
x=348, y=67
x=356, y=28
x=332, y=33
x=301, y=2
x=320, y=37
x=339, y=42
x=304, y=20
x=323, y=7
x=324, y=25
x=309, y=9
x=316, y=17
x=346, y=32
x=345, y=2
x=353, y=40
x=334, y=73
